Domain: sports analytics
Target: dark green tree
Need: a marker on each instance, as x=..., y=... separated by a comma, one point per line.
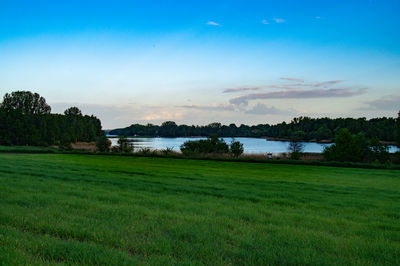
x=398, y=130
x=379, y=152
x=295, y=147
x=125, y=145
x=347, y=148
x=25, y=103
x=73, y=111
x=236, y=148
x=103, y=143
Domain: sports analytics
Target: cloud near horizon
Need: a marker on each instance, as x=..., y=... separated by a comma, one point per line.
x=229, y=90
x=219, y=107
x=327, y=83
x=262, y=109
x=298, y=94
x=386, y=103
x=292, y=79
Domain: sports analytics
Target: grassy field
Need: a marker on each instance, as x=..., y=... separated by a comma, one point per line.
x=86, y=209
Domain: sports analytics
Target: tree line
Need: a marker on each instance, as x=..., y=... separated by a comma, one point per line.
x=25, y=119
x=304, y=128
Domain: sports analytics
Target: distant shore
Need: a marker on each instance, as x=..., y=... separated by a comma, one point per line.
x=325, y=141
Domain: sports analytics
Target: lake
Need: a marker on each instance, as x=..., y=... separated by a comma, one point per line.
x=250, y=145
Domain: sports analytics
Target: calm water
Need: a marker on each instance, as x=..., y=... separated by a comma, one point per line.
x=251, y=145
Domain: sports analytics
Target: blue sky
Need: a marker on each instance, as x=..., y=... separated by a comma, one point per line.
x=198, y=62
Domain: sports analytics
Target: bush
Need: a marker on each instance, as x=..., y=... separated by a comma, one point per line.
x=379, y=152
x=125, y=145
x=210, y=145
x=295, y=146
x=295, y=149
x=347, y=148
x=356, y=148
x=103, y=143
x=167, y=151
x=146, y=151
x=236, y=148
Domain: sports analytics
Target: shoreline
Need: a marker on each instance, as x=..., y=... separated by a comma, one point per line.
x=323, y=141
x=327, y=141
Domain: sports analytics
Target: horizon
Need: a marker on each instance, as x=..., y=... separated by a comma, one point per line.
x=242, y=62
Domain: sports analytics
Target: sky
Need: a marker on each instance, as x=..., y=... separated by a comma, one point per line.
x=198, y=62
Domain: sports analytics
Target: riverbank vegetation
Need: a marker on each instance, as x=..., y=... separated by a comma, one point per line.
x=305, y=128
x=80, y=209
x=25, y=119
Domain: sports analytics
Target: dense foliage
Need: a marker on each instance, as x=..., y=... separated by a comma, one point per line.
x=25, y=119
x=210, y=145
x=356, y=148
x=397, y=134
x=236, y=148
x=308, y=128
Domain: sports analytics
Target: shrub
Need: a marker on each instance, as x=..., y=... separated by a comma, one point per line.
x=348, y=148
x=210, y=145
x=379, y=152
x=145, y=151
x=103, y=143
x=125, y=145
x=295, y=149
x=236, y=148
x=167, y=151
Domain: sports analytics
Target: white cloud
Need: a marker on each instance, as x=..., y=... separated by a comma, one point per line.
x=212, y=23
x=265, y=22
x=242, y=89
x=219, y=107
x=297, y=94
x=279, y=20
x=262, y=109
x=293, y=79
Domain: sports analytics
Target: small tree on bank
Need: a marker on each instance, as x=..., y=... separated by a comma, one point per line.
x=295, y=146
x=236, y=148
x=125, y=145
x=103, y=143
x=295, y=149
x=397, y=132
x=206, y=146
x=347, y=148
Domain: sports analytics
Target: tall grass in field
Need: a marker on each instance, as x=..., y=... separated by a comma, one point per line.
x=115, y=210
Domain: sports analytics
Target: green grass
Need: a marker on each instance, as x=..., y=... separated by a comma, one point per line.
x=82, y=209
x=26, y=149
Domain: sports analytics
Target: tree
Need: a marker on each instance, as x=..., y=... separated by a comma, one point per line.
x=103, y=143
x=398, y=130
x=210, y=145
x=73, y=111
x=295, y=149
x=323, y=132
x=236, y=148
x=125, y=145
x=379, y=151
x=295, y=146
x=25, y=103
x=347, y=148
